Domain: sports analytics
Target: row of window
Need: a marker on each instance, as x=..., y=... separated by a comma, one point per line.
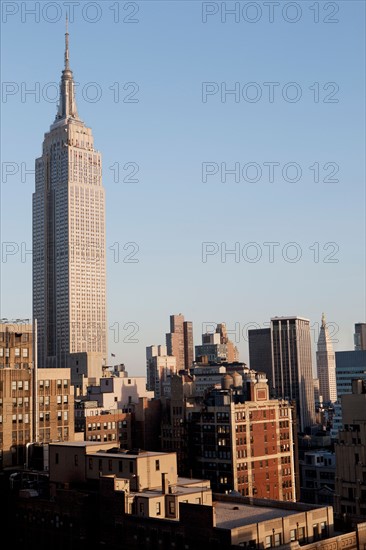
x=20, y=385
x=60, y=383
x=17, y=352
x=106, y=425
x=45, y=416
x=24, y=336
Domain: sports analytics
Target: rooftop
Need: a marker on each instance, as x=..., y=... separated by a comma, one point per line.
x=134, y=453
x=80, y=443
x=230, y=515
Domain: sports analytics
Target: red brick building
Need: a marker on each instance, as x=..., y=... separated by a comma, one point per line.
x=243, y=441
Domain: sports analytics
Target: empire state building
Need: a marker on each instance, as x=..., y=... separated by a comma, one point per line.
x=69, y=271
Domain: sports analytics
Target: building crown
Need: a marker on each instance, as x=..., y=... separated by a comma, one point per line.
x=67, y=104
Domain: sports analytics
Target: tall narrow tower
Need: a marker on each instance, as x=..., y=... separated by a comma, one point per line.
x=179, y=341
x=69, y=273
x=292, y=365
x=325, y=362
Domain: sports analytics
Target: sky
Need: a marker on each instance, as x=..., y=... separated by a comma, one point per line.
x=223, y=126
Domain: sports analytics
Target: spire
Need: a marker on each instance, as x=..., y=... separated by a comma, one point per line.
x=67, y=104
x=323, y=320
x=67, y=66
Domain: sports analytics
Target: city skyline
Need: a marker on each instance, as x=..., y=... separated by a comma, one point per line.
x=171, y=274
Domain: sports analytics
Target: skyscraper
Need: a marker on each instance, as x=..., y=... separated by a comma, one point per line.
x=260, y=352
x=360, y=336
x=350, y=365
x=292, y=365
x=179, y=341
x=188, y=344
x=69, y=274
x=325, y=361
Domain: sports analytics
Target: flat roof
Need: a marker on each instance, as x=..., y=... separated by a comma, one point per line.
x=81, y=443
x=290, y=317
x=119, y=454
x=130, y=454
x=230, y=515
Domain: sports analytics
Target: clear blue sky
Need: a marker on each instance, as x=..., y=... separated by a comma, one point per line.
x=169, y=132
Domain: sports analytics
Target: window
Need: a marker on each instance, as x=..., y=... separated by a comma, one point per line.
x=26, y=385
x=157, y=465
x=301, y=533
x=47, y=383
x=323, y=529
x=76, y=460
x=59, y=382
x=268, y=542
x=66, y=416
x=59, y=399
x=13, y=385
x=277, y=539
x=17, y=352
x=1, y=352
x=292, y=535
x=158, y=509
x=25, y=352
x=90, y=463
x=56, y=458
x=171, y=507
x=65, y=399
x=20, y=384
